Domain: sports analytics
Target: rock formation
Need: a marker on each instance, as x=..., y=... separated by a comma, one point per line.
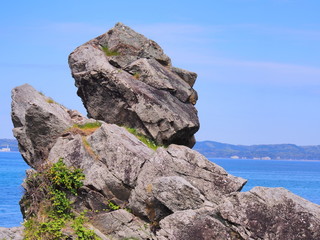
x=170, y=193
x=125, y=78
x=15, y=233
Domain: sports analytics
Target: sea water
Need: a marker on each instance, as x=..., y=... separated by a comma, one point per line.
x=12, y=173
x=300, y=177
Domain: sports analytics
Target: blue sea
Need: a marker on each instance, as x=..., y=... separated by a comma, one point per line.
x=12, y=173
x=300, y=177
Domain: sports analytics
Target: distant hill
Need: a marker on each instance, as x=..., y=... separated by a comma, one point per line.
x=213, y=149
x=12, y=143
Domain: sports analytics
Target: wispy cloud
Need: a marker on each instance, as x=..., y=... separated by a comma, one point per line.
x=268, y=72
x=205, y=57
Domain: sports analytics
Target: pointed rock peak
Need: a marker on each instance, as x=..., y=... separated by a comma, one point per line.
x=126, y=79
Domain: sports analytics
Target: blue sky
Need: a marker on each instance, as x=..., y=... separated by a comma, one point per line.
x=257, y=60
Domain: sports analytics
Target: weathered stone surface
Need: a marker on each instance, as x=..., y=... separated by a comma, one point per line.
x=133, y=85
x=201, y=224
x=15, y=233
x=176, y=193
x=271, y=214
x=121, y=224
x=154, y=74
x=111, y=158
x=188, y=77
x=38, y=122
x=131, y=46
x=120, y=151
x=98, y=177
x=212, y=181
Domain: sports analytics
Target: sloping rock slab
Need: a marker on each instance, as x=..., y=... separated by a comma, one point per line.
x=271, y=214
x=176, y=193
x=121, y=224
x=126, y=79
x=200, y=174
x=200, y=224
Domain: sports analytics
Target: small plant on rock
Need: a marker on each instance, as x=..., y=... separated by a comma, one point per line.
x=85, y=129
x=49, y=193
x=136, y=75
x=109, y=52
x=150, y=143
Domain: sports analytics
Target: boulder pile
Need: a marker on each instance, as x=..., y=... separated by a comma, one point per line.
x=126, y=81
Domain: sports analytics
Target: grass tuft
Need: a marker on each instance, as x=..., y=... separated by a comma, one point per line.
x=85, y=129
x=89, y=149
x=90, y=125
x=150, y=143
x=136, y=75
x=50, y=100
x=108, y=52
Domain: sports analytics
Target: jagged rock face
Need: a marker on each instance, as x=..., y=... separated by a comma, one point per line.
x=120, y=224
x=125, y=78
x=118, y=167
x=111, y=160
x=174, y=193
x=202, y=181
x=271, y=213
x=261, y=213
x=38, y=121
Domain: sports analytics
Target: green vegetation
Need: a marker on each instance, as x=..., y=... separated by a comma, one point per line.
x=65, y=179
x=136, y=75
x=80, y=230
x=113, y=206
x=50, y=100
x=50, y=209
x=108, y=52
x=89, y=149
x=150, y=143
x=85, y=129
x=89, y=125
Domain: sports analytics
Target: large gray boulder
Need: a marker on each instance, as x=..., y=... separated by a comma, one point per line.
x=271, y=214
x=38, y=121
x=199, y=224
x=126, y=79
x=118, y=168
x=261, y=213
x=121, y=224
x=198, y=182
